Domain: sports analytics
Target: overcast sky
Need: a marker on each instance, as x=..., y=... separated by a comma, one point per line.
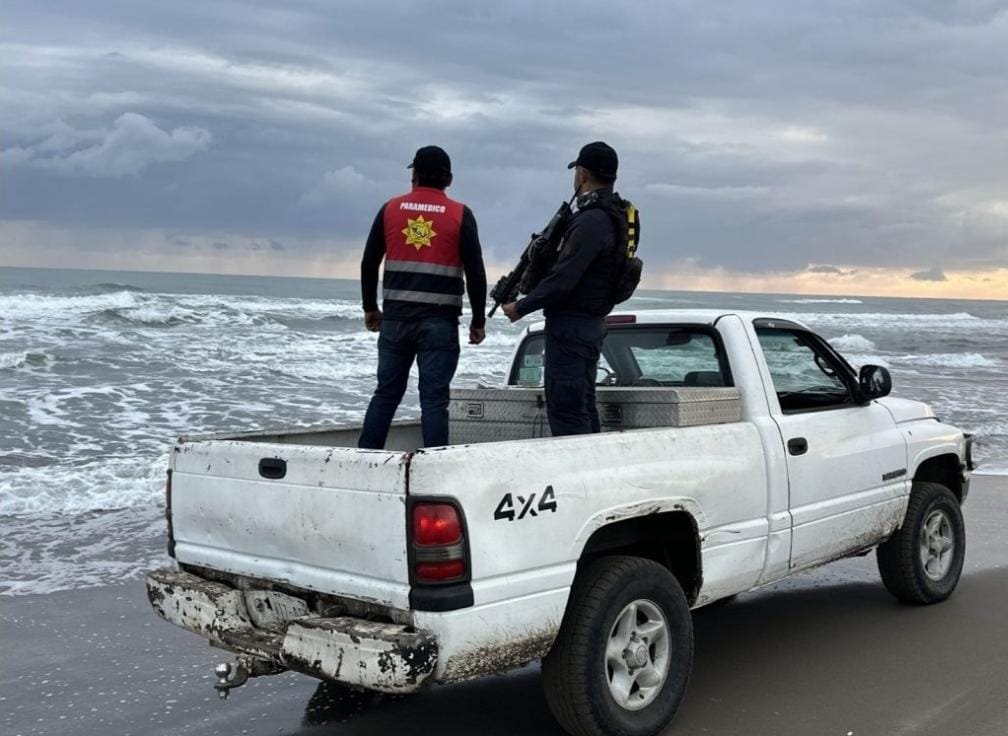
x=837, y=147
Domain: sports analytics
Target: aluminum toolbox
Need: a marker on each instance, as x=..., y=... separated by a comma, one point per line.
x=496, y=414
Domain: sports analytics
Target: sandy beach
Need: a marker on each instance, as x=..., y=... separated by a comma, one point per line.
x=828, y=652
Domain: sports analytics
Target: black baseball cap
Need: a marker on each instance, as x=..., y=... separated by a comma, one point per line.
x=598, y=157
x=431, y=160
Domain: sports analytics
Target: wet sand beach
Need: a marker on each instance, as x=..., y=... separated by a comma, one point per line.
x=828, y=652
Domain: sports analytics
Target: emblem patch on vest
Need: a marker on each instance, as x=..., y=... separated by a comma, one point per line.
x=419, y=232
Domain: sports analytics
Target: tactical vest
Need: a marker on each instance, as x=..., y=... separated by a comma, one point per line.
x=423, y=265
x=629, y=267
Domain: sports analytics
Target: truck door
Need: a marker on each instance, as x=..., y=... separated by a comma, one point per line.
x=847, y=463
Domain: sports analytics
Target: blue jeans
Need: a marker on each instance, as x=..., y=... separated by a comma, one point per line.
x=434, y=343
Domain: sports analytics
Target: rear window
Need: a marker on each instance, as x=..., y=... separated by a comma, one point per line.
x=640, y=356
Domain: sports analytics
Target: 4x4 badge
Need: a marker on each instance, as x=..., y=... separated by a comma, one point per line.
x=506, y=508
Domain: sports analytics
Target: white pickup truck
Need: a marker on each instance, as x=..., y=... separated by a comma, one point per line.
x=737, y=449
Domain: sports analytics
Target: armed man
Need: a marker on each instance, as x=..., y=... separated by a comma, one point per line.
x=427, y=241
x=581, y=288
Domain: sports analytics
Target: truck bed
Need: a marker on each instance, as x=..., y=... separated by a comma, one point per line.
x=478, y=415
x=305, y=505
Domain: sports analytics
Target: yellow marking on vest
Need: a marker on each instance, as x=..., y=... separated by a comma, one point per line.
x=419, y=232
x=631, y=213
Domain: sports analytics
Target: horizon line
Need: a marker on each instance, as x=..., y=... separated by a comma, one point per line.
x=352, y=279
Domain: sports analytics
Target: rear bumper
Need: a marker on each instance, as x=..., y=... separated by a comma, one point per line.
x=378, y=656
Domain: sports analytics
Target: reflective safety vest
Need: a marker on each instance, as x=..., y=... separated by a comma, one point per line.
x=423, y=264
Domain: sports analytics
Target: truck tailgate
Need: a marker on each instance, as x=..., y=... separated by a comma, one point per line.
x=335, y=522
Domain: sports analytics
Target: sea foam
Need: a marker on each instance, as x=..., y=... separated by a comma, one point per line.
x=954, y=323
x=97, y=485
x=34, y=307
x=852, y=343
x=950, y=360
x=12, y=360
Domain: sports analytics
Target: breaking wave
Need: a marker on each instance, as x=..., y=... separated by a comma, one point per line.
x=852, y=343
x=993, y=467
x=885, y=317
x=116, y=286
x=158, y=310
x=949, y=360
x=859, y=350
x=955, y=323
x=99, y=485
x=22, y=359
x=151, y=315
x=36, y=307
x=12, y=360
x=494, y=339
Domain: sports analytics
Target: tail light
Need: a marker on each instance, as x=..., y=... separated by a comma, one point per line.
x=621, y=319
x=439, y=551
x=168, y=516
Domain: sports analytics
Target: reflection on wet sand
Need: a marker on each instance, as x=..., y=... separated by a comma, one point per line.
x=335, y=703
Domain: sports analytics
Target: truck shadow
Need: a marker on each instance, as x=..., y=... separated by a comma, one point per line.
x=834, y=658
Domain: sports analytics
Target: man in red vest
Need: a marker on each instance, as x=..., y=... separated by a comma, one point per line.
x=428, y=242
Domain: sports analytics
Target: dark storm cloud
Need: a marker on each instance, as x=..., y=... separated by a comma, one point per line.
x=931, y=274
x=753, y=136
x=133, y=144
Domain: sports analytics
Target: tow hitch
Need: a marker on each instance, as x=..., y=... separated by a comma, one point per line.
x=229, y=676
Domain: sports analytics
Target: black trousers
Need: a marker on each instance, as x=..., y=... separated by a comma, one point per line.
x=572, y=348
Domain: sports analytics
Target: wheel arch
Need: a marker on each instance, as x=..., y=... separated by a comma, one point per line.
x=670, y=538
x=945, y=469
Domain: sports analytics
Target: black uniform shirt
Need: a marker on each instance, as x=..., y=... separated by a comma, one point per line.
x=581, y=282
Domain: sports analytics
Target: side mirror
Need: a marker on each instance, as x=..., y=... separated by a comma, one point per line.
x=874, y=382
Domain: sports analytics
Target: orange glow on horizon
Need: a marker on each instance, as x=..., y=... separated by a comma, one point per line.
x=30, y=245
x=892, y=282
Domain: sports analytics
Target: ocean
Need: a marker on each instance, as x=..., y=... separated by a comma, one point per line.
x=100, y=371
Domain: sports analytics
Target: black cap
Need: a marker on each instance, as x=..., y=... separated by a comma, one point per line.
x=431, y=160
x=599, y=158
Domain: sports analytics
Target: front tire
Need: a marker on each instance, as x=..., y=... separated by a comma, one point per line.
x=623, y=656
x=921, y=563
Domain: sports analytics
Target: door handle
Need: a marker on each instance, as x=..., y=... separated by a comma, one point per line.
x=273, y=468
x=797, y=445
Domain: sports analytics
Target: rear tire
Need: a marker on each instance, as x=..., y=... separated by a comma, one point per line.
x=622, y=659
x=921, y=563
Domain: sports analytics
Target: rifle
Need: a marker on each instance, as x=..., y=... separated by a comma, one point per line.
x=506, y=289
